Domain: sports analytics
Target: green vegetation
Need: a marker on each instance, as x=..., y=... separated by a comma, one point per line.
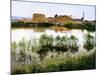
x=90, y=26
x=30, y=25
x=89, y=42
x=60, y=63
x=86, y=25
x=52, y=54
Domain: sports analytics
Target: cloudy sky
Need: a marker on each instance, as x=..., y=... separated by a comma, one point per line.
x=26, y=9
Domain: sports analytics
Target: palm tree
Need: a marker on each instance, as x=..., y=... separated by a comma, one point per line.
x=56, y=16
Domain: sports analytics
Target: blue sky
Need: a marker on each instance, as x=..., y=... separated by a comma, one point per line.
x=26, y=9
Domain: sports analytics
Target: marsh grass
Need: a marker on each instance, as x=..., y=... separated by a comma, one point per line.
x=60, y=63
x=29, y=56
x=89, y=42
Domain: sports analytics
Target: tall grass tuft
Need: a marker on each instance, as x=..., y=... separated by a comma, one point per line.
x=32, y=56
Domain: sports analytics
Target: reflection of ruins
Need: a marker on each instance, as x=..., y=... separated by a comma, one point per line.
x=41, y=18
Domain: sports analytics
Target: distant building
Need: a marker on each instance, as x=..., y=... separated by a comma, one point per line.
x=83, y=17
x=79, y=21
x=25, y=20
x=38, y=18
x=63, y=19
x=51, y=20
x=57, y=19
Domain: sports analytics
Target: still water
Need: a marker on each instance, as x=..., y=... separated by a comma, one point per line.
x=18, y=34
x=27, y=34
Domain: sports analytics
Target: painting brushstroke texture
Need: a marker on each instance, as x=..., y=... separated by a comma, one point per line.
x=52, y=37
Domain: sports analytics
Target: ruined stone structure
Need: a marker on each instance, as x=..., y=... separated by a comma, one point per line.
x=51, y=20
x=25, y=20
x=38, y=18
x=60, y=19
x=63, y=19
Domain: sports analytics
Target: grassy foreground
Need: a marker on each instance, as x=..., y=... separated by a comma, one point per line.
x=59, y=63
x=50, y=54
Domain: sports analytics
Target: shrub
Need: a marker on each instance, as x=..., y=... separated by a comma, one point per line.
x=45, y=45
x=89, y=42
x=60, y=44
x=72, y=44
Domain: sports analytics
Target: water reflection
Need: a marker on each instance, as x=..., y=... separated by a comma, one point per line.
x=27, y=34
x=18, y=34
